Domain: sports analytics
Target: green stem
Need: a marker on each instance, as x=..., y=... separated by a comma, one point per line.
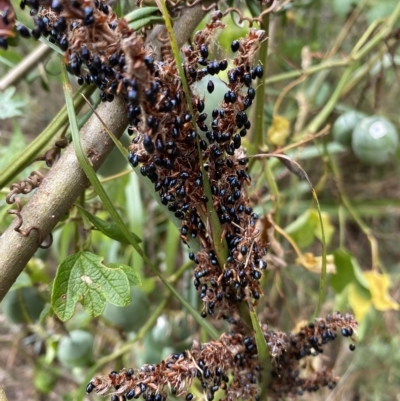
x=259, y=137
x=259, y=142
x=308, y=71
x=322, y=282
x=354, y=214
x=316, y=123
x=31, y=152
x=383, y=33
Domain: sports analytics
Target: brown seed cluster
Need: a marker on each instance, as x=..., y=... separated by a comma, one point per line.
x=165, y=144
x=288, y=349
x=231, y=365
x=209, y=363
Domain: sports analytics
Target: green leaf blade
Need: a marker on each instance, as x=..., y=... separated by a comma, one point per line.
x=132, y=274
x=110, y=229
x=82, y=277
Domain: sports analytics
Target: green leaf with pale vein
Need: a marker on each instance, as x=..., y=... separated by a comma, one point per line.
x=84, y=278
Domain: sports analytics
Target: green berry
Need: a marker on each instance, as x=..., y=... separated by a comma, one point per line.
x=76, y=349
x=375, y=140
x=131, y=317
x=23, y=305
x=344, y=125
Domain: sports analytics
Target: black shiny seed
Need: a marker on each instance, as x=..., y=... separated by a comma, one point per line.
x=175, y=133
x=251, y=93
x=235, y=46
x=88, y=18
x=200, y=106
x=345, y=332
x=210, y=87
x=259, y=72
x=210, y=68
x=23, y=31
x=90, y=387
x=223, y=65
x=202, y=61
x=35, y=33
x=63, y=45
x=230, y=97
x=202, y=117
x=352, y=347
x=189, y=397
x=247, y=103
x=247, y=79
x=237, y=140
x=203, y=145
x=130, y=394
x=132, y=96
x=232, y=77
x=204, y=51
x=148, y=144
x=152, y=122
x=149, y=62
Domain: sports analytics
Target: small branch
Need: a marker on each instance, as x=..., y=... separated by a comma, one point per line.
x=66, y=180
x=20, y=70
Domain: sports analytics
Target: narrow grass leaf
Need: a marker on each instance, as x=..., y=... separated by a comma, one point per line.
x=110, y=229
x=262, y=348
x=83, y=277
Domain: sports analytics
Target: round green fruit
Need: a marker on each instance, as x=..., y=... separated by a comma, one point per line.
x=343, y=127
x=23, y=305
x=131, y=317
x=375, y=140
x=75, y=350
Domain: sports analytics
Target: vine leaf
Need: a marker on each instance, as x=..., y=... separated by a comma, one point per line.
x=10, y=105
x=110, y=229
x=83, y=277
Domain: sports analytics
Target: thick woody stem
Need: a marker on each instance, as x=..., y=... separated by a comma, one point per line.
x=66, y=180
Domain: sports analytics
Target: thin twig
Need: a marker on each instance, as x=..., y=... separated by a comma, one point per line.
x=25, y=66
